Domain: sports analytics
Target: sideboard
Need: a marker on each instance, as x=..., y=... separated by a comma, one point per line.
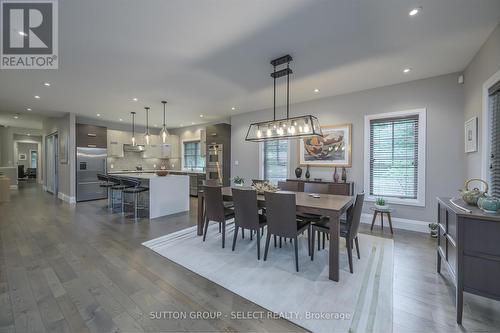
x=340, y=188
x=469, y=246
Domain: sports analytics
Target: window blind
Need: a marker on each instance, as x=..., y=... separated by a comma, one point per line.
x=494, y=114
x=394, y=157
x=192, y=157
x=275, y=160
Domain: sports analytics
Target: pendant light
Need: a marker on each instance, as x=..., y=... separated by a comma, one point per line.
x=291, y=128
x=147, y=135
x=133, y=128
x=164, y=133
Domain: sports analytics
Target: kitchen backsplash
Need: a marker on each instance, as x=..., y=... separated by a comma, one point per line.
x=132, y=159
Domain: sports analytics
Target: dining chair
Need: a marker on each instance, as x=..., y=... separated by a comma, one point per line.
x=211, y=182
x=215, y=210
x=348, y=230
x=282, y=221
x=317, y=188
x=246, y=215
x=289, y=186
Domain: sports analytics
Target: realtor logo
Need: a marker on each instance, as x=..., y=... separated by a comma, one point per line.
x=29, y=38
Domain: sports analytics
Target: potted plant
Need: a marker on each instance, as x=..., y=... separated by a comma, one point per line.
x=239, y=181
x=434, y=229
x=380, y=203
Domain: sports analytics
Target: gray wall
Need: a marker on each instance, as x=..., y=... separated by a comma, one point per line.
x=484, y=65
x=442, y=97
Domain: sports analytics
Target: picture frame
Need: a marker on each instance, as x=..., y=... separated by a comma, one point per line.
x=22, y=157
x=333, y=150
x=471, y=135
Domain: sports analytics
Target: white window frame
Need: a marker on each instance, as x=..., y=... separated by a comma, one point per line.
x=261, y=159
x=422, y=124
x=182, y=150
x=485, y=149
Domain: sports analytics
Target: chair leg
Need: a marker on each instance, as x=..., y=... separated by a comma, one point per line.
x=349, y=254
x=319, y=240
x=296, y=253
x=205, y=229
x=324, y=236
x=258, y=244
x=220, y=228
x=242, y=233
x=312, y=244
x=223, y=234
x=309, y=240
x=268, y=238
x=373, y=220
x=235, y=236
x=251, y=234
x=356, y=243
x=280, y=242
x=274, y=240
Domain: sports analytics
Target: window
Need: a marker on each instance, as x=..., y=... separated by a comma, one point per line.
x=192, y=157
x=395, y=157
x=275, y=160
x=494, y=133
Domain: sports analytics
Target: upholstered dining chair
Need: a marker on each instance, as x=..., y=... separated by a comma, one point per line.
x=282, y=221
x=288, y=186
x=348, y=230
x=317, y=188
x=246, y=215
x=215, y=210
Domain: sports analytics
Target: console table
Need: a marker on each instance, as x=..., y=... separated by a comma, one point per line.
x=339, y=188
x=468, y=244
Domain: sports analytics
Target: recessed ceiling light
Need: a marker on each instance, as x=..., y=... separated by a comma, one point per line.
x=192, y=123
x=29, y=134
x=316, y=90
x=135, y=99
x=47, y=84
x=233, y=108
x=28, y=109
x=407, y=70
x=201, y=116
x=415, y=11
x=98, y=114
x=121, y=119
x=16, y=116
x=181, y=125
x=37, y=97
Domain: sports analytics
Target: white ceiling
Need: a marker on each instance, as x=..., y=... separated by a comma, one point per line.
x=206, y=56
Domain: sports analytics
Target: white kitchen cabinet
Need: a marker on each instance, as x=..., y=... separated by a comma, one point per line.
x=115, y=143
x=174, y=142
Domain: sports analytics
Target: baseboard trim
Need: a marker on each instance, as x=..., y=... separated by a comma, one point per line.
x=66, y=198
x=398, y=223
x=13, y=187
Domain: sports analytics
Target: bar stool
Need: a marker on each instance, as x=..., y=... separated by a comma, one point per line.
x=133, y=187
x=118, y=186
x=107, y=184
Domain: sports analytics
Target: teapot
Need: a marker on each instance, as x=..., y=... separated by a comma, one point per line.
x=472, y=196
x=488, y=204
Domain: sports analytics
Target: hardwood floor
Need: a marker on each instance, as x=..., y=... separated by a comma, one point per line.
x=80, y=269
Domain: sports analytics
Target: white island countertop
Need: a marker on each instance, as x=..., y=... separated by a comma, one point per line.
x=167, y=195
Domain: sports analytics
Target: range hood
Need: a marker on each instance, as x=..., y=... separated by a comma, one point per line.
x=133, y=148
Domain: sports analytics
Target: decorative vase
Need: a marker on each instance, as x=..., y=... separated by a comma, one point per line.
x=488, y=204
x=335, y=176
x=308, y=174
x=344, y=175
x=298, y=172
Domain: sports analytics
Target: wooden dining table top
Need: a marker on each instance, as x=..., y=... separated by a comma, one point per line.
x=303, y=199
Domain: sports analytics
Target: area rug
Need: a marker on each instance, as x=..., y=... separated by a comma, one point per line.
x=359, y=302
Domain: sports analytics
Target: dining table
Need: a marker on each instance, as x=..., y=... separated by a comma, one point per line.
x=327, y=205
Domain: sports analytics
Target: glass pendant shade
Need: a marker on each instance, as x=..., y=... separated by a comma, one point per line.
x=133, y=128
x=147, y=136
x=164, y=132
x=296, y=127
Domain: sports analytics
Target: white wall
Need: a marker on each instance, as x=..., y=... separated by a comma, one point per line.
x=484, y=64
x=442, y=97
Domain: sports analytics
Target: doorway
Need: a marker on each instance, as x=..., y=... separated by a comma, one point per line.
x=51, y=158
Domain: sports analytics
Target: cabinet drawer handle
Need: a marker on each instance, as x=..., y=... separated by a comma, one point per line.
x=92, y=135
x=91, y=146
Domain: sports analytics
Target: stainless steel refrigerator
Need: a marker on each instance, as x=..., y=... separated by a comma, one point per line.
x=90, y=162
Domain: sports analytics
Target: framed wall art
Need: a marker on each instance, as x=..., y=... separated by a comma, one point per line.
x=333, y=150
x=471, y=135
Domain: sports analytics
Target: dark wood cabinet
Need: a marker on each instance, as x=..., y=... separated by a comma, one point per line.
x=91, y=136
x=346, y=188
x=219, y=134
x=469, y=247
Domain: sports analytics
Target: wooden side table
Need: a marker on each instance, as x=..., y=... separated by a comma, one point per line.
x=380, y=211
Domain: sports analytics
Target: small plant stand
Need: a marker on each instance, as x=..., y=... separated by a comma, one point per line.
x=381, y=211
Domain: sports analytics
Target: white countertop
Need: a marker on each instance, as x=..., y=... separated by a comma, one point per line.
x=146, y=175
x=152, y=171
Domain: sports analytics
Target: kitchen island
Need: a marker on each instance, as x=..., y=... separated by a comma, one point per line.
x=167, y=195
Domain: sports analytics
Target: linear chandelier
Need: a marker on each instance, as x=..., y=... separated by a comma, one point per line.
x=285, y=128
